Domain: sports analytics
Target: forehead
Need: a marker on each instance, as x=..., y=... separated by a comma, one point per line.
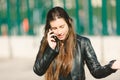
x=57, y=22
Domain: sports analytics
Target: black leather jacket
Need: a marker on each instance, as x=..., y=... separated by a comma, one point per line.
x=84, y=54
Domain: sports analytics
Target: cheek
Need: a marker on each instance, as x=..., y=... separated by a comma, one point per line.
x=66, y=30
x=55, y=31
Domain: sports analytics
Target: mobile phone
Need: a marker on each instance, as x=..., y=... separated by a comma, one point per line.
x=58, y=43
x=55, y=37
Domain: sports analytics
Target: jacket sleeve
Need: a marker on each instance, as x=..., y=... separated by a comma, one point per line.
x=42, y=62
x=93, y=65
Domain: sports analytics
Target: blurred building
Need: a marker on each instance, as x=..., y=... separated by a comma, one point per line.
x=91, y=17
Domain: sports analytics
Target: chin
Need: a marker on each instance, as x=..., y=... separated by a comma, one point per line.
x=62, y=39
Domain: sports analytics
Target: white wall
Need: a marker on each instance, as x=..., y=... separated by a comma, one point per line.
x=23, y=46
x=106, y=48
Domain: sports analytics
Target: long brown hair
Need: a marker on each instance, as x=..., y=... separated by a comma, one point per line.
x=63, y=62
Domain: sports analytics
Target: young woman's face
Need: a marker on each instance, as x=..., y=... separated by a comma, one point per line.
x=60, y=28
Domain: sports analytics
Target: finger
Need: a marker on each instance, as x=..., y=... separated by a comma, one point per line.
x=52, y=35
x=51, y=32
x=53, y=40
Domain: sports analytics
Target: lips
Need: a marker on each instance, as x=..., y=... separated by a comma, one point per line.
x=60, y=37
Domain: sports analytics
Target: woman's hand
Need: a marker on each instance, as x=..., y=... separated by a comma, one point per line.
x=51, y=41
x=116, y=65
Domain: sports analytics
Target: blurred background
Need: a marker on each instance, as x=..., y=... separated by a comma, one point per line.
x=22, y=26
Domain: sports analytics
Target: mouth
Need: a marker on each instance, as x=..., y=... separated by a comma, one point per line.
x=61, y=37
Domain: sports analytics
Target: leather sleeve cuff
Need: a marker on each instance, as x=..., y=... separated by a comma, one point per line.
x=110, y=65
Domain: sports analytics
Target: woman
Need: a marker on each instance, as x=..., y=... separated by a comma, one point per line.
x=63, y=53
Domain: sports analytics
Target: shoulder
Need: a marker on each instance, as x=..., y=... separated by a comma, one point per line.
x=82, y=38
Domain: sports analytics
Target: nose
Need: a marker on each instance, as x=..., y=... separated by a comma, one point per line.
x=58, y=31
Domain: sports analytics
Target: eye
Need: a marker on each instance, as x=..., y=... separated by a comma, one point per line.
x=62, y=26
x=53, y=28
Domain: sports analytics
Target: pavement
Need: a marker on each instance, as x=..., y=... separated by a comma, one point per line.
x=21, y=69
